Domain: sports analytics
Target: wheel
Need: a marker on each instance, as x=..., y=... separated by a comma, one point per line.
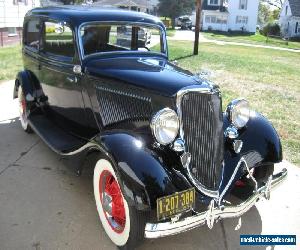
x=123, y=224
x=24, y=111
x=262, y=173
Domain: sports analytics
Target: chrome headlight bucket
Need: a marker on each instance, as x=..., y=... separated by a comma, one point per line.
x=238, y=112
x=165, y=126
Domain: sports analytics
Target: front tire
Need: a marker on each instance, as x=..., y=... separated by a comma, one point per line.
x=24, y=111
x=123, y=224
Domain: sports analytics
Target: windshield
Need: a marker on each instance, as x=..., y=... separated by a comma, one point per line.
x=97, y=38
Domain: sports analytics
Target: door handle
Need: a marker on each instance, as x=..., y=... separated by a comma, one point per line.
x=72, y=79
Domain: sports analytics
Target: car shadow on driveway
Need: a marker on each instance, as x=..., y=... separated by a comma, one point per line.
x=44, y=205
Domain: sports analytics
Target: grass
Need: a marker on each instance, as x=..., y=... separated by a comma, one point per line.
x=253, y=39
x=269, y=79
x=10, y=62
x=171, y=32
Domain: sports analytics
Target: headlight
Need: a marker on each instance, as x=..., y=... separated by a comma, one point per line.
x=165, y=125
x=238, y=112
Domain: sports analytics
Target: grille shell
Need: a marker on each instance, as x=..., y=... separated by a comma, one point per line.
x=202, y=130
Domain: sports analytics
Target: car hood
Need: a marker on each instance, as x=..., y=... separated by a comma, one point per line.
x=153, y=74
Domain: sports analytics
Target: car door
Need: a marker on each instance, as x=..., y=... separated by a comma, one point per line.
x=59, y=82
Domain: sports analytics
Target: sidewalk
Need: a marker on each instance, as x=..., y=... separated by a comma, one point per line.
x=188, y=35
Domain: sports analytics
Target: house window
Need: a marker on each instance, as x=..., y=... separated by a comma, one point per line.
x=213, y=2
x=210, y=19
x=16, y=2
x=12, y=31
x=243, y=5
x=216, y=19
x=242, y=19
x=296, y=29
x=286, y=10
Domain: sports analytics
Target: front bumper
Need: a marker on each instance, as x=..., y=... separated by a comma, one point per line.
x=213, y=213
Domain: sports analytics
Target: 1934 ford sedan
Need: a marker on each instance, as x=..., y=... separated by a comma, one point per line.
x=98, y=81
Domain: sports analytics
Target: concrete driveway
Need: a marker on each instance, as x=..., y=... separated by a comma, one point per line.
x=43, y=205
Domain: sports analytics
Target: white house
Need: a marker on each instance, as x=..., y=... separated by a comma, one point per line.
x=229, y=15
x=12, y=13
x=289, y=19
x=146, y=6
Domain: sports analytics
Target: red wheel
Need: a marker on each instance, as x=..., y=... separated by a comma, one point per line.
x=112, y=201
x=124, y=225
x=112, y=208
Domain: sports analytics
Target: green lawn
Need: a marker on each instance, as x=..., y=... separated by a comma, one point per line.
x=253, y=39
x=269, y=79
x=10, y=62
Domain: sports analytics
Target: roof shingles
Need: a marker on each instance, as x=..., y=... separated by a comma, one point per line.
x=295, y=7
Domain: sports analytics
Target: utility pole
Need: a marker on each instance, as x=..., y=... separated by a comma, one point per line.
x=197, y=26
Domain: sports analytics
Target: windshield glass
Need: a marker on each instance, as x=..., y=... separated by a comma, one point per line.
x=97, y=38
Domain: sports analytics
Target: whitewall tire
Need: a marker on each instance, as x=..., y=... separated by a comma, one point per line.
x=116, y=230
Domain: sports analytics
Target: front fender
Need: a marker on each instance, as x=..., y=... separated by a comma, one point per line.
x=261, y=145
x=261, y=136
x=143, y=174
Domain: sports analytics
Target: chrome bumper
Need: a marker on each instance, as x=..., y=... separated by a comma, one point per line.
x=213, y=213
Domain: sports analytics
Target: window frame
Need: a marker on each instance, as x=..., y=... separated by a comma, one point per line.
x=242, y=20
x=12, y=34
x=163, y=39
x=245, y=4
x=56, y=57
x=26, y=22
x=213, y=4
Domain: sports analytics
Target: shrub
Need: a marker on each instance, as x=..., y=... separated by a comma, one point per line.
x=50, y=29
x=272, y=29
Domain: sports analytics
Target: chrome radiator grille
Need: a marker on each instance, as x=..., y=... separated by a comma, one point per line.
x=202, y=124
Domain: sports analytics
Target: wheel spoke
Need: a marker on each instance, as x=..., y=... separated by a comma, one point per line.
x=117, y=214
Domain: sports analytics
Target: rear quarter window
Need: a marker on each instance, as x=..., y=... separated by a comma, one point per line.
x=32, y=34
x=58, y=40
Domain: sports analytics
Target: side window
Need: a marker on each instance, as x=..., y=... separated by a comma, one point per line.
x=58, y=40
x=32, y=34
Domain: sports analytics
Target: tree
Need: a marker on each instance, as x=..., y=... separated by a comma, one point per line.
x=276, y=3
x=264, y=14
x=175, y=8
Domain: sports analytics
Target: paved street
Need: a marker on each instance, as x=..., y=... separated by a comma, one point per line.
x=43, y=205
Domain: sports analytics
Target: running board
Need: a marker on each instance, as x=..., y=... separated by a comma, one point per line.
x=56, y=138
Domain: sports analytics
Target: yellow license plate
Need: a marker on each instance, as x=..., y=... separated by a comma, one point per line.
x=171, y=205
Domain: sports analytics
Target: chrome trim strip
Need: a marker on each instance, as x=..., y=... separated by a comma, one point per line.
x=79, y=39
x=168, y=228
x=242, y=160
x=85, y=146
x=208, y=89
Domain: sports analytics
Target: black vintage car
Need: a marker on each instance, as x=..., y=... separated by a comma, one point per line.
x=167, y=159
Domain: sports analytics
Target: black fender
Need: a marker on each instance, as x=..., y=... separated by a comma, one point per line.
x=261, y=145
x=29, y=84
x=143, y=174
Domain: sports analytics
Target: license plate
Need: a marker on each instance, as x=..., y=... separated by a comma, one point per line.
x=171, y=205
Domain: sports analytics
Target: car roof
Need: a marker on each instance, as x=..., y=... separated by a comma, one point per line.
x=78, y=14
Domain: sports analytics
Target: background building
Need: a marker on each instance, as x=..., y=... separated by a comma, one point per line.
x=12, y=13
x=290, y=18
x=230, y=15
